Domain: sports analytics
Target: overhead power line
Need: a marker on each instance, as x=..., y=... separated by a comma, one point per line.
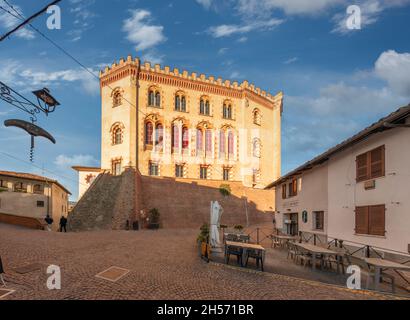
x=28, y=20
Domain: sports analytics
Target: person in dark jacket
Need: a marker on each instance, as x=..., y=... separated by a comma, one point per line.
x=63, y=224
x=49, y=222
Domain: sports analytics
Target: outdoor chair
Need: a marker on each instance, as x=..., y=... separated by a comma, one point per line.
x=294, y=252
x=257, y=255
x=338, y=261
x=275, y=243
x=238, y=252
x=372, y=277
x=244, y=238
x=231, y=237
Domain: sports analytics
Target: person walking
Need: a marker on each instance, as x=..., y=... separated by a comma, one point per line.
x=49, y=222
x=63, y=224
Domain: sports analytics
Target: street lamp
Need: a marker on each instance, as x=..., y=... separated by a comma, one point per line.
x=46, y=101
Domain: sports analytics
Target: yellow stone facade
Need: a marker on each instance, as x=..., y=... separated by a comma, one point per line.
x=153, y=119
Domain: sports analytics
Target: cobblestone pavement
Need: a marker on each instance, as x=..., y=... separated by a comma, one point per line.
x=163, y=265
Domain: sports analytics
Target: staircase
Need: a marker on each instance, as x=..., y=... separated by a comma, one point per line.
x=106, y=205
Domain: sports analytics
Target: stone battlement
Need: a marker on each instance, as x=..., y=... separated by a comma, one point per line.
x=117, y=69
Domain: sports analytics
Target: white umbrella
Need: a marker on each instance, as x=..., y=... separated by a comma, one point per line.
x=216, y=213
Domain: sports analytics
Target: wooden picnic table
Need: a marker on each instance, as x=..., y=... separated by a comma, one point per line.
x=245, y=247
x=316, y=250
x=381, y=264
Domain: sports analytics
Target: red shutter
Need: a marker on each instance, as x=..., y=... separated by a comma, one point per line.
x=377, y=165
x=362, y=220
x=362, y=169
x=377, y=220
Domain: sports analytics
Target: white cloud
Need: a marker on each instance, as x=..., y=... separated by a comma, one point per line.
x=229, y=30
x=291, y=60
x=290, y=7
x=64, y=161
x=205, y=3
x=16, y=75
x=153, y=57
x=140, y=32
x=394, y=68
x=8, y=22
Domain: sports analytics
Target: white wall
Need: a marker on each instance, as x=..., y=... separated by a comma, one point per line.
x=312, y=196
x=393, y=190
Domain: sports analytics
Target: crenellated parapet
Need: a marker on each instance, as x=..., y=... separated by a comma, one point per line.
x=188, y=80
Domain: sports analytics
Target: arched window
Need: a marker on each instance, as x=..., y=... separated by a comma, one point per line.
x=205, y=107
x=257, y=146
x=116, y=98
x=208, y=142
x=183, y=104
x=227, y=110
x=180, y=102
x=149, y=133
x=199, y=141
x=222, y=144
x=175, y=137
x=154, y=98
x=231, y=144
x=117, y=136
x=158, y=99
x=185, y=138
x=257, y=118
x=159, y=135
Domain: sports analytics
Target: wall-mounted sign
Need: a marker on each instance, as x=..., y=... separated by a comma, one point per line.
x=305, y=216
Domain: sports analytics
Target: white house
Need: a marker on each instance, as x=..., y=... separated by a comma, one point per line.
x=358, y=191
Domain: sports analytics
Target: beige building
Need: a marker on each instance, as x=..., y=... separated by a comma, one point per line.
x=166, y=130
x=26, y=199
x=357, y=191
x=172, y=123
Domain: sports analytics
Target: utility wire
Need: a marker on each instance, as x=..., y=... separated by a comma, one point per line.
x=73, y=58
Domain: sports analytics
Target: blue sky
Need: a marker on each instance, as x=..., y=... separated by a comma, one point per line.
x=336, y=81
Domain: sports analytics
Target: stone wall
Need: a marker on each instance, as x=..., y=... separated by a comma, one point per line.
x=186, y=203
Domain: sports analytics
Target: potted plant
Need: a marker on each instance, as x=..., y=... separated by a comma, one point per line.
x=154, y=216
x=238, y=228
x=203, y=239
x=225, y=190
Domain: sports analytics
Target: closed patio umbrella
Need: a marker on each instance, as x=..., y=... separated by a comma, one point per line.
x=216, y=213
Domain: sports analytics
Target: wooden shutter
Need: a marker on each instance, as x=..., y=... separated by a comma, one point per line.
x=362, y=220
x=295, y=187
x=362, y=170
x=284, y=191
x=377, y=165
x=377, y=220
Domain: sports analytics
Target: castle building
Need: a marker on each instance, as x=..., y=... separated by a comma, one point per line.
x=173, y=124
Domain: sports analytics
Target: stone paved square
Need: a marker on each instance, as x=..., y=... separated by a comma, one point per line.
x=163, y=264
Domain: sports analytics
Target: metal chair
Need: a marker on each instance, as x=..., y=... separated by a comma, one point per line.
x=257, y=255
x=238, y=252
x=244, y=238
x=231, y=237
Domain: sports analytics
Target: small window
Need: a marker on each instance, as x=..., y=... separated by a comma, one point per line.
x=257, y=118
x=149, y=133
x=40, y=204
x=180, y=102
x=319, y=220
x=371, y=165
x=38, y=189
x=204, y=173
x=284, y=187
x=116, y=98
x=293, y=188
x=371, y=220
x=153, y=169
x=117, y=136
x=20, y=187
x=179, y=171
x=226, y=174
x=154, y=98
x=116, y=167
x=227, y=111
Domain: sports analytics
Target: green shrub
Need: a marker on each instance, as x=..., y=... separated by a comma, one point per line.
x=204, y=234
x=225, y=190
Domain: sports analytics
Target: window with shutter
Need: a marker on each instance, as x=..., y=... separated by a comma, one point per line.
x=377, y=163
x=377, y=224
x=284, y=191
x=371, y=165
x=362, y=168
x=362, y=220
